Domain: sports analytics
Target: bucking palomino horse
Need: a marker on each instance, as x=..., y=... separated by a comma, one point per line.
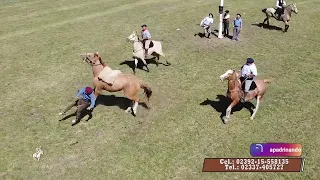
x=285, y=17
x=257, y=90
x=129, y=83
x=139, y=52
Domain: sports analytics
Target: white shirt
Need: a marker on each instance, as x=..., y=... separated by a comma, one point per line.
x=283, y=2
x=207, y=21
x=227, y=16
x=249, y=69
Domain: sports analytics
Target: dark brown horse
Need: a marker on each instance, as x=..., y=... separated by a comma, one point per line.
x=235, y=91
x=270, y=12
x=129, y=83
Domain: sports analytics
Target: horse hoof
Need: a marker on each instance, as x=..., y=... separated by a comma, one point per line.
x=251, y=118
x=225, y=120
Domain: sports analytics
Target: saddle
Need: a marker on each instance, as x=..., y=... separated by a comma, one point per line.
x=108, y=75
x=279, y=13
x=146, y=42
x=252, y=87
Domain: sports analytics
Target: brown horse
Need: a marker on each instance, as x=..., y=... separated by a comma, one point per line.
x=129, y=83
x=285, y=17
x=235, y=91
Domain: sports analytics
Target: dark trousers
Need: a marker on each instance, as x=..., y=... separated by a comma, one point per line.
x=226, y=28
x=236, y=32
x=81, y=105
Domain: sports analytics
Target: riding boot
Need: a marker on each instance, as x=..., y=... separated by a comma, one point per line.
x=209, y=35
x=243, y=99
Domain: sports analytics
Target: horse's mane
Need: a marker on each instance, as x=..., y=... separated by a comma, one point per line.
x=101, y=62
x=234, y=75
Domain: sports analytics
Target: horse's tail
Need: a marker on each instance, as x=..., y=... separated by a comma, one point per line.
x=264, y=10
x=159, y=51
x=147, y=89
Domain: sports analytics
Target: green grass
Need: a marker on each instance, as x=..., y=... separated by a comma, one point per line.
x=41, y=71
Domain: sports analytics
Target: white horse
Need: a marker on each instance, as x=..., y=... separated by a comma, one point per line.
x=139, y=52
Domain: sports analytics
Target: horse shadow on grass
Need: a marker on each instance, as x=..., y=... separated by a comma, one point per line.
x=122, y=102
x=140, y=65
x=222, y=104
x=266, y=26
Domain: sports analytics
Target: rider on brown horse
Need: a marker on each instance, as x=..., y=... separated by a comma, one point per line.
x=248, y=72
x=146, y=36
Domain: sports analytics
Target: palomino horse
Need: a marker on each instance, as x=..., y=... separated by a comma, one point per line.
x=235, y=91
x=129, y=83
x=139, y=53
x=270, y=12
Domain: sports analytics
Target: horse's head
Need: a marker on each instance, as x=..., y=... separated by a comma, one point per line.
x=293, y=8
x=230, y=75
x=133, y=36
x=91, y=58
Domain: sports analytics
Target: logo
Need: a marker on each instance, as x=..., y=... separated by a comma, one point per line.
x=275, y=149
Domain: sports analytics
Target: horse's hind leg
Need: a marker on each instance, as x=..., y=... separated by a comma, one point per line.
x=257, y=107
x=135, y=105
x=129, y=107
x=135, y=65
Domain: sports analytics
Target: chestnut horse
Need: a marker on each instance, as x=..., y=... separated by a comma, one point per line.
x=129, y=83
x=235, y=92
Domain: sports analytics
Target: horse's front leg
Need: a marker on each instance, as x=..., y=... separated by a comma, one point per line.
x=264, y=21
x=228, y=111
x=286, y=26
x=145, y=64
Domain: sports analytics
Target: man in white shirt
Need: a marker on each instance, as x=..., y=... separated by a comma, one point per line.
x=280, y=4
x=206, y=23
x=248, y=72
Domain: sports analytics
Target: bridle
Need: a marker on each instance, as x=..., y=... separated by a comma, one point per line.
x=90, y=62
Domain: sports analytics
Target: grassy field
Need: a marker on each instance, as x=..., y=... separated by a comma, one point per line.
x=41, y=71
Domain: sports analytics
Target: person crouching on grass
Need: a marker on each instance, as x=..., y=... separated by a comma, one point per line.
x=84, y=100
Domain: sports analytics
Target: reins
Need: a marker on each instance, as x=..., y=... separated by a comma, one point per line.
x=137, y=40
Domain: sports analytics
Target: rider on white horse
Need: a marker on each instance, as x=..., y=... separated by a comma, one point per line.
x=145, y=35
x=280, y=4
